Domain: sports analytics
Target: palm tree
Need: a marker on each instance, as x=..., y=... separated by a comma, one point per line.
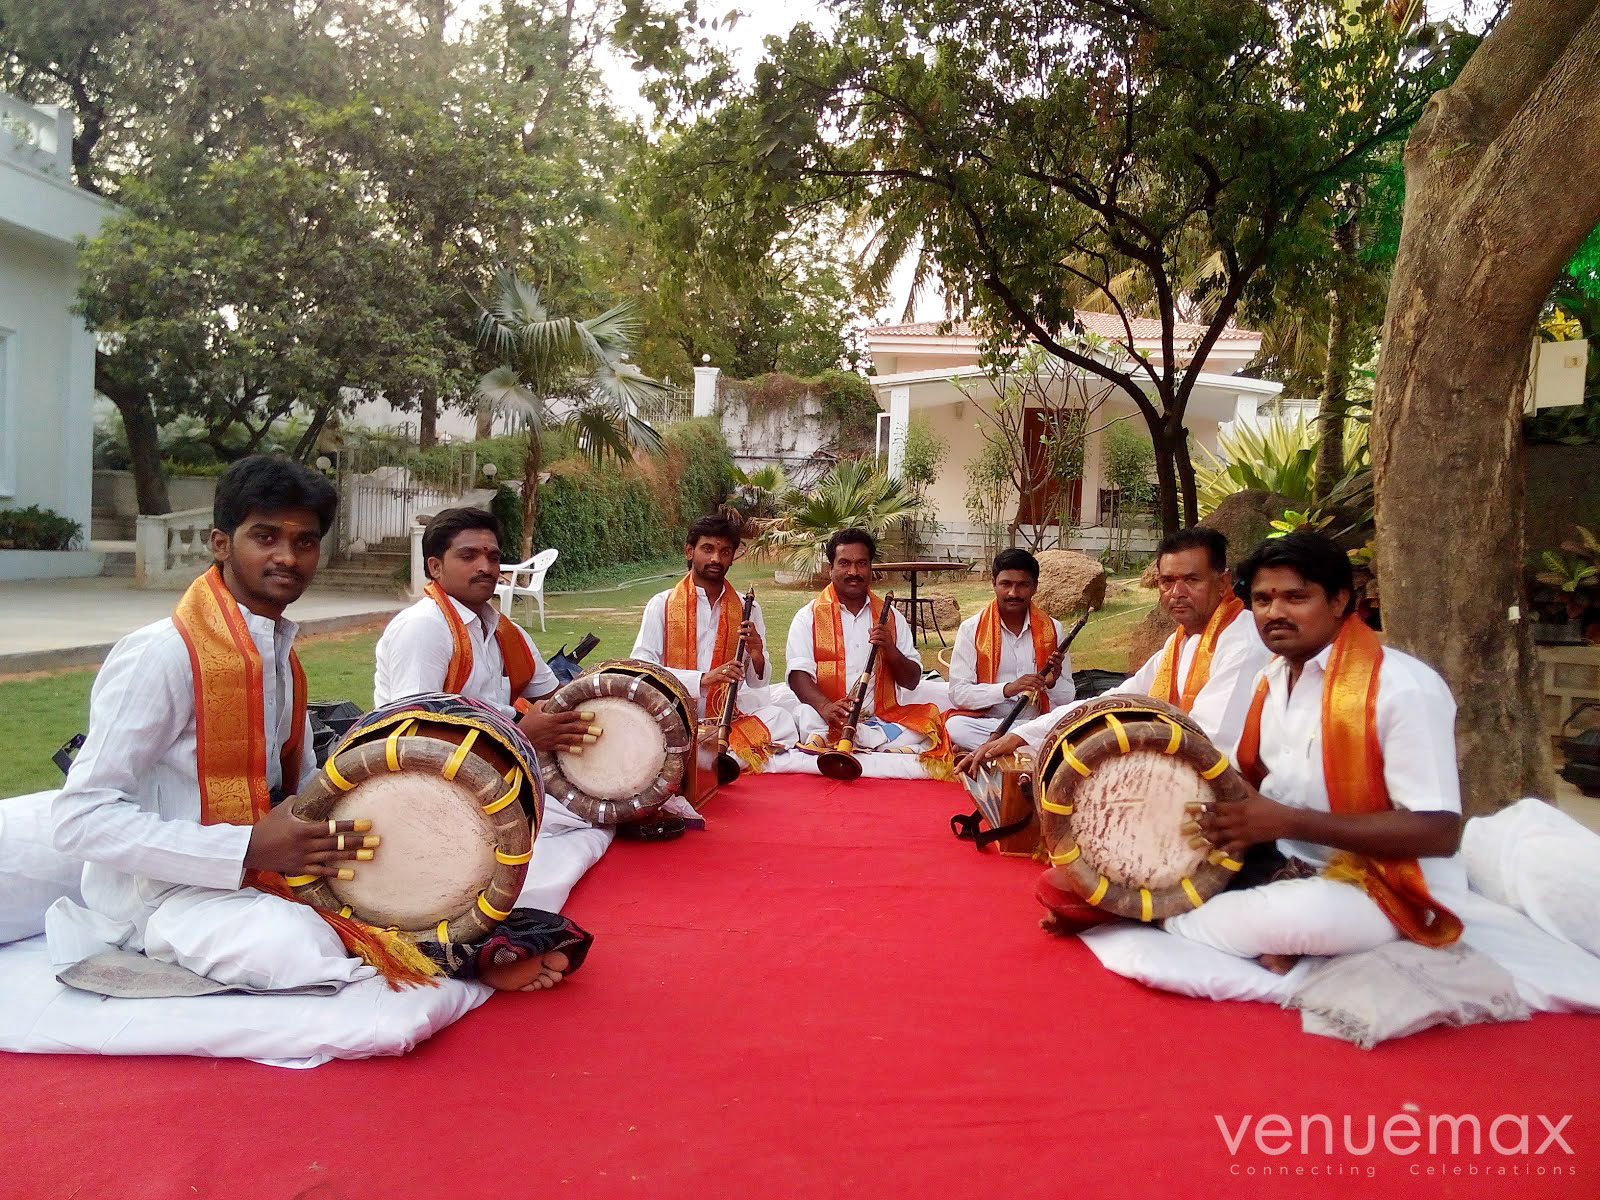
x=584, y=363
x=852, y=493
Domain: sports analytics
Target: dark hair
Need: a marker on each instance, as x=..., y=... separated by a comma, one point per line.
x=1197, y=537
x=723, y=522
x=442, y=529
x=270, y=483
x=853, y=537
x=1015, y=560
x=1315, y=557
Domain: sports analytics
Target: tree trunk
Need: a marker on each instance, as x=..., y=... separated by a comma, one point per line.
x=428, y=418
x=144, y=443
x=1166, y=480
x=531, y=468
x=1491, y=217
x=1332, y=406
x=1188, y=492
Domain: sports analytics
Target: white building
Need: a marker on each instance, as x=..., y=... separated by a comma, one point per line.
x=46, y=353
x=928, y=371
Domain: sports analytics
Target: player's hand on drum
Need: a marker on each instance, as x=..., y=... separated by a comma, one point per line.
x=728, y=673
x=1235, y=825
x=1031, y=682
x=556, y=731
x=292, y=845
x=971, y=762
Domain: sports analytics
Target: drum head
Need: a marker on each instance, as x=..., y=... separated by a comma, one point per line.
x=628, y=757
x=437, y=850
x=640, y=757
x=1115, y=785
x=455, y=841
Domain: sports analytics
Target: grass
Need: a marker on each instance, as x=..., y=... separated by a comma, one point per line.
x=39, y=712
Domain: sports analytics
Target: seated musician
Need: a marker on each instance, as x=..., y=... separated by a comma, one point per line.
x=1006, y=651
x=1352, y=747
x=454, y=640
x=693, y=630
x=1206, y=666
x=829, y=642
x=177, y=801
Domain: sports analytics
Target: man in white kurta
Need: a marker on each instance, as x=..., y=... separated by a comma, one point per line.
x=155, y=878
x=1015, y=577
x=418, y=651
x=1226, y=652
x=710, y=547
x=1301, y=590
x=850, y=555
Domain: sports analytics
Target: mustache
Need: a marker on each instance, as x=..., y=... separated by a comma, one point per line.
x=1289, y=626
x=285, y=574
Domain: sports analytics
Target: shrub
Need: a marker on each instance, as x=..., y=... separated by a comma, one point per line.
x=35, y=528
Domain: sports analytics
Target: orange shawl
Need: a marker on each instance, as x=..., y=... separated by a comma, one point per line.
x=231, y=741
x=1352, y=767
x=229, y=707
x=988, y=644
x=514, y=652
x=1165, y=686
x=827, y=644
x=749, y=739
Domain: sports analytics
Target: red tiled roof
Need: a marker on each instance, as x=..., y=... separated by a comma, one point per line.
x=1107, y=325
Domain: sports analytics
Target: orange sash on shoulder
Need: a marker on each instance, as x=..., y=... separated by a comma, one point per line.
x=515, y=656
x=749, y=739
x=1352, y=767
x=1165, y=686
x=988, y=644
x=230, y=708
x=827, y=644
x=231, y=742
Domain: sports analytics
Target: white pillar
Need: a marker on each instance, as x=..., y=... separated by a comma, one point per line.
x=419, y=569
x=705, y=390
x=899, y=419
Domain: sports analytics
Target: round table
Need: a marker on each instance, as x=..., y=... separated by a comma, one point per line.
x=911, y=569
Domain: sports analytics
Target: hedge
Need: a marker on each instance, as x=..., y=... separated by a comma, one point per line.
x=598, y=516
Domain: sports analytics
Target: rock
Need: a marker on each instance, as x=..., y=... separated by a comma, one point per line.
x=1069, y=583
x=1148, y=636
x=1245, y=518
x=946, y=610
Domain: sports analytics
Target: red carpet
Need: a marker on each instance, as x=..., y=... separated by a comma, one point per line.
x=825, y=995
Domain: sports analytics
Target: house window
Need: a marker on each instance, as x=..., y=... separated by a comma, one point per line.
x=8, y=414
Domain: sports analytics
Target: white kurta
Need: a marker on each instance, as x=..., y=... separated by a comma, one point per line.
x=1016, y=660
x=1220, y=706
x=754, y=698
x=416, y=647
x=413, y=657
x=155, y=878
x=1416, y=730
x=800, y=654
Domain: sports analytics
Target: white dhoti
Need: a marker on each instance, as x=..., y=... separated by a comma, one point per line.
x=968, y=733
x=871, y=734
x=1296, y=916
x=242, y=938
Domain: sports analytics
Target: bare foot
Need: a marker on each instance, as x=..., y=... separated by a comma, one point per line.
x=1278, y=964
x=528, y=974
x=1054, y=926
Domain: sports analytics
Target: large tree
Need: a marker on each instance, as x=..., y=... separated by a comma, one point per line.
x=1051, y=149
x=1499, y=194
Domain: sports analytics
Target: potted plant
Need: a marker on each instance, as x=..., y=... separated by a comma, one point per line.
x=1571, y=588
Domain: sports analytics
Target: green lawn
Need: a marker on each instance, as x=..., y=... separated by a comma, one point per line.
x=39, y=712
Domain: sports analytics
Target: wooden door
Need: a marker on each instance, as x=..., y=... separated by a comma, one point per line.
x=1040, y=503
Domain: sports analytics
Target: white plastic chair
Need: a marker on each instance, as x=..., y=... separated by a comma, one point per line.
x=525, y=579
